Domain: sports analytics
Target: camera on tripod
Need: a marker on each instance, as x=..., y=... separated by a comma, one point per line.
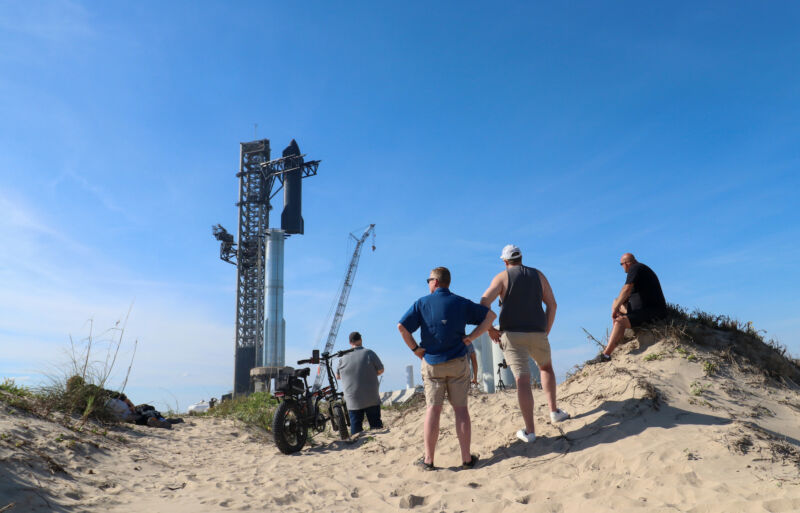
x=500, y=384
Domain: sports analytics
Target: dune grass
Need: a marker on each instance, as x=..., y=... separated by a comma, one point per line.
x=739, y=343
x=256, y=409
x=78, y=386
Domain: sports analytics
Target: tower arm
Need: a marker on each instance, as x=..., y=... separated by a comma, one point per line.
x=227, y=247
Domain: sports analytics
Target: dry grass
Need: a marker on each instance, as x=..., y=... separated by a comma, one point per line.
x=77, y=387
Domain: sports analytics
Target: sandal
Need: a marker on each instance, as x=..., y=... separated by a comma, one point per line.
x=424, y=466
x=471, y=463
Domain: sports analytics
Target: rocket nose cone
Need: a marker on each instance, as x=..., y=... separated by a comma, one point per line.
x=292, y=149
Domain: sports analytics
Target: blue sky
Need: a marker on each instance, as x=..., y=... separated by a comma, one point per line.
x=576, y=131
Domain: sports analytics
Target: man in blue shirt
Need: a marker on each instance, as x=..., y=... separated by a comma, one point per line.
x=441, y=318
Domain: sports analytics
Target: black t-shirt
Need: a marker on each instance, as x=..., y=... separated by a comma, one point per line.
x=647, y=292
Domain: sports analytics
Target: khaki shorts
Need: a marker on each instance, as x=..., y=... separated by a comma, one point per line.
x=518, y=346
x=451, y=376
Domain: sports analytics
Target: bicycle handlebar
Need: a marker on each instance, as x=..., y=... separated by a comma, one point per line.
x=326, y=356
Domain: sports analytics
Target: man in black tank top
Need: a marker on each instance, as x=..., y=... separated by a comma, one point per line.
x=524, y=326
x=640, y=301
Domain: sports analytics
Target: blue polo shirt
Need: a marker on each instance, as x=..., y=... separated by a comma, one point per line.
x=441, y=318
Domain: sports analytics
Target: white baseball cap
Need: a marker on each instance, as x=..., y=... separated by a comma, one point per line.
x=511, y=252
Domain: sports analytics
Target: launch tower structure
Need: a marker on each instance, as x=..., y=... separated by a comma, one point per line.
x=260, y=179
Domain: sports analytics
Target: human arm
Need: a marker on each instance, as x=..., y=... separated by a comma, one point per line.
x=549, y=300
x=474, y=359
x=376, y=362
x=623, y=297
x=481, y=328
x=408, y=338
x=496, y=289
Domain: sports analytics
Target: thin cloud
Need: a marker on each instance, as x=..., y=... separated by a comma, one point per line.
x=53, y=21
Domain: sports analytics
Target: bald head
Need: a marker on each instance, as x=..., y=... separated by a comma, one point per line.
x=626, y=261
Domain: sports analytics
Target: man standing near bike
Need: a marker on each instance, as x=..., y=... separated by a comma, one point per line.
x=359, y=371
x=441, y=318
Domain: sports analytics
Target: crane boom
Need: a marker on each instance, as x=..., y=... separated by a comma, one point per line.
x=344, y=295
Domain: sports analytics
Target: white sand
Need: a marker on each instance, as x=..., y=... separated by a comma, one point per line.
x=732, y=446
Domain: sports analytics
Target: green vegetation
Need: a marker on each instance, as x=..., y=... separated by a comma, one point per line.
x=709, y=368
x=17, y=396
x=10, y=387
x=652, y=356
x=697, y=388
x=79, y=388
x=740, y=342
x=255, y=409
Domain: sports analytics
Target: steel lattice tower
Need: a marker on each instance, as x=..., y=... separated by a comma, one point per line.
x=257, y=177
x=253, y=223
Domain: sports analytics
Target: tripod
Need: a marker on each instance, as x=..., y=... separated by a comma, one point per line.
x=500, y=384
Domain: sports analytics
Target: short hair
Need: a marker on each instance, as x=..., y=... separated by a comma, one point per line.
x=442, y=274
x=515, y=261
x=355, y=336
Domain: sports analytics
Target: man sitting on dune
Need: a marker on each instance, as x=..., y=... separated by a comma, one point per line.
x=442, y=318
x=639, y=302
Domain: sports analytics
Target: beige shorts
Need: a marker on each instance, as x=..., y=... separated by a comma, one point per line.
x=518, y=346
x=451, y=376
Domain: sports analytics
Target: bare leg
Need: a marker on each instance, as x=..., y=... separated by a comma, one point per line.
x=431, y=431
x=525, y=398
x=463, y=431
x=621, y=323
x=549, y=385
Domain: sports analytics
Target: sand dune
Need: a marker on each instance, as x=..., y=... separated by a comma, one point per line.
x=648, y=433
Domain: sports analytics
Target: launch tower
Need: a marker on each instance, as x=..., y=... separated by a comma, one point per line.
x=258, y=256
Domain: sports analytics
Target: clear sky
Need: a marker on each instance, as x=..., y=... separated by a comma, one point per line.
x=577, y=131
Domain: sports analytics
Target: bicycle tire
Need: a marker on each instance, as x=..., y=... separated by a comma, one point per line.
x=288, y=428
x=341, y=422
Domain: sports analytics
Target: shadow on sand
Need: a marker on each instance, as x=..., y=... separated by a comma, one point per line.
x=621, y=419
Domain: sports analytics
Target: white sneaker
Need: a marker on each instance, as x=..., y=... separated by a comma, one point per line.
x=558, y=415
x=526, y=437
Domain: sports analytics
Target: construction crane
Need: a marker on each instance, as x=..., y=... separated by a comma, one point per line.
x=344, y=294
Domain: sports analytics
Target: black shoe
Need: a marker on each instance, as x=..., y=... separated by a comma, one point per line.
x=601, y=358
x=471, y=463
x=424, y=466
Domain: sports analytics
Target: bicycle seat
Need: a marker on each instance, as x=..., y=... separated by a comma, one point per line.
x=302, y=373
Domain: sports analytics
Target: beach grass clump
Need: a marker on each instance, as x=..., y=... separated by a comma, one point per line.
x=709, y=368
x=741, y=342
x=256, y=409
x=78, y=386
x=18, y=396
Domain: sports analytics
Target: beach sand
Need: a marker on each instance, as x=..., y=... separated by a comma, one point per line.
x=647, y=433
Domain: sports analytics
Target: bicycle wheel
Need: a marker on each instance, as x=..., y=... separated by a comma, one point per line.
x=288, y=429
x=341, y=422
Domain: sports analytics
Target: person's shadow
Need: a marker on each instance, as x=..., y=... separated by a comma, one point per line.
x=621, y=419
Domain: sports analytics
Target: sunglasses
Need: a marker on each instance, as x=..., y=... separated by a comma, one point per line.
x=431, y=279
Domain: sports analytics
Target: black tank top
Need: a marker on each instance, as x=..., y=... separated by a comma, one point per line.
x=522, y=305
